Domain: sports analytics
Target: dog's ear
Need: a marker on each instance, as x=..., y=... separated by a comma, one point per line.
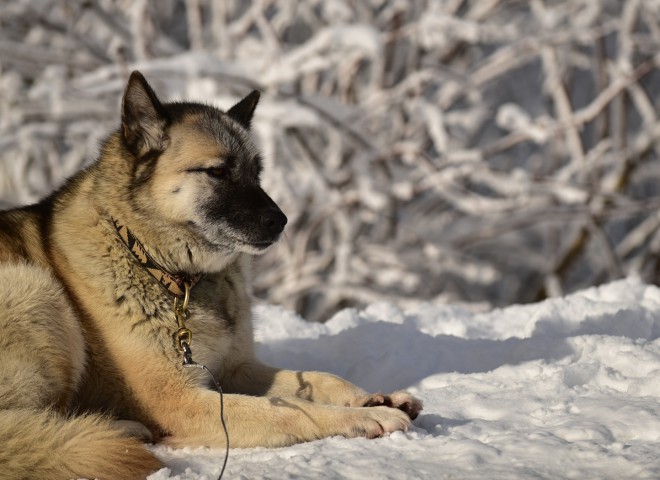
x=243, y=111
x=142, y=117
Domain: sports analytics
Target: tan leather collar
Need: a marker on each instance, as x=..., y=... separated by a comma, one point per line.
x=173, y=283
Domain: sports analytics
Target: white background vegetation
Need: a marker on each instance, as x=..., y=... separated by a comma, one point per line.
x=491, y=151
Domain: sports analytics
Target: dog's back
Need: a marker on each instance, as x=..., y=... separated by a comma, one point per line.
x=20, y=235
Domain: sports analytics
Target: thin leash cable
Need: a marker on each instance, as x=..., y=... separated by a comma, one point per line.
x=188, y=362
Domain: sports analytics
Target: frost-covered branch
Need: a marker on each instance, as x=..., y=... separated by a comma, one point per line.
x=449, y=151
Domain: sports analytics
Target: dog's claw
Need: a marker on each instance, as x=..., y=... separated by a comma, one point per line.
x=401, y=400
x=378, y=399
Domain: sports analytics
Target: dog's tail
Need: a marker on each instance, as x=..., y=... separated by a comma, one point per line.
x=46, y=445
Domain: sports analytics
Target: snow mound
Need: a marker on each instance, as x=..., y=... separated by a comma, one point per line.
x=566, y=388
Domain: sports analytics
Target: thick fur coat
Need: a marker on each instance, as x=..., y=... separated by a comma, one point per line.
x=90, y=367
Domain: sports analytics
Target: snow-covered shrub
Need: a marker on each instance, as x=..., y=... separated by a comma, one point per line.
x=480, y=151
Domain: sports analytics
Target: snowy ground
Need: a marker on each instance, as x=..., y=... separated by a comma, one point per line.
x=567, y=388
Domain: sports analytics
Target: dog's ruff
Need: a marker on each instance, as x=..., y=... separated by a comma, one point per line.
x=175, y=284
x=89, y=352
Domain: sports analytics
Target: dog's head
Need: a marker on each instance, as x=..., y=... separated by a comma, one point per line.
x=195, y=167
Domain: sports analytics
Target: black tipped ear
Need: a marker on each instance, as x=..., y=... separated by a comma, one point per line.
x=243, y=111
x=142, y=117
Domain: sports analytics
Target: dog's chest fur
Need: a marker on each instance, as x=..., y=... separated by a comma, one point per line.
x=130, y=307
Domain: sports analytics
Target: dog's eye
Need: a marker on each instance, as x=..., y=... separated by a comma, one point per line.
x=216, y=172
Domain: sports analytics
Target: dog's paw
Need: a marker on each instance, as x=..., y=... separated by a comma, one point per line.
x=401, y=400
x=377, y=422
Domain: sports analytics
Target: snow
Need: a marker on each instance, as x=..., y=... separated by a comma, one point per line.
x=565, y=388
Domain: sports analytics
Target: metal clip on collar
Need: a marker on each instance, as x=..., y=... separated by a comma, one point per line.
x=187, y=355
x=181, y=313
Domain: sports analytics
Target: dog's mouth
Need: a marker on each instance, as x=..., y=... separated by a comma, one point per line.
x=261, y=242
x=247, y=245
x=230, y=240
x=262, y=245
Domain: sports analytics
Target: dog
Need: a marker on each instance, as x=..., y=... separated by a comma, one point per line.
x=135, y=269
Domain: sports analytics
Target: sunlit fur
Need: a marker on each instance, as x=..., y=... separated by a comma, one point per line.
x=87, y=346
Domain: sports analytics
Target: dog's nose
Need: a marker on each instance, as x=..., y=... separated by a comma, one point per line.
x=274, y=220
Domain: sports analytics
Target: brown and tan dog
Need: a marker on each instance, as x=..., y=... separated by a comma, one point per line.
x=91, y=347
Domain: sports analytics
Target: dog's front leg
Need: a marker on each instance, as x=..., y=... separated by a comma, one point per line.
x=270, y=421
x=255, y=378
